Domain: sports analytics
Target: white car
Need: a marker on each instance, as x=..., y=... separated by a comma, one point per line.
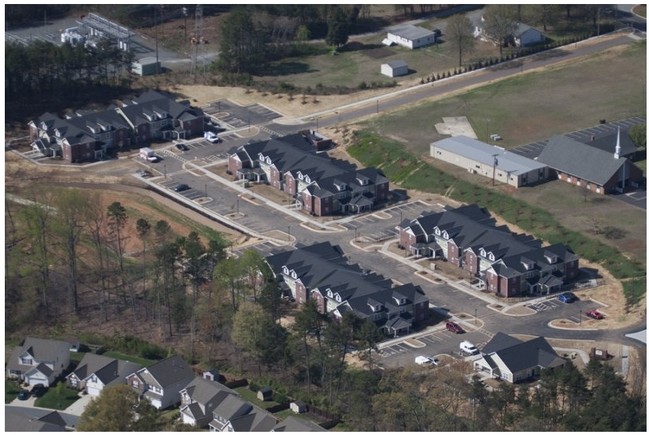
x=211, y=137
x=424, y=361
x=468, y=347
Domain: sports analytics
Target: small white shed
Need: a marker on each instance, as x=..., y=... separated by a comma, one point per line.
x=394, y=68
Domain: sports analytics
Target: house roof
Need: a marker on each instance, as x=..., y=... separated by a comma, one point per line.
x=575, y=158
x=295, y=424
x=25, y=419
x=167, y=372
x=203, y=391
x=524, y=354
x=408, y=31
x=521, y=28
x=257, y=420
x=41, y=350
x=608, y=141
x=397, y=64
x=486, y=154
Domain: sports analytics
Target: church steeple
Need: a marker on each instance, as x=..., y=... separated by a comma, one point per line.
x=618, y=147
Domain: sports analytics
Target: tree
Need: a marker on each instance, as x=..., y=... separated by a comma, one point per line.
x=143, y=230
x=500, y=24
x=69, y=225
x=302, y=35
x=255, y=332
x=308, y=322
x=459, y=34
x=97, y=230
x=545, y=14
x=337, y=27
x=118, y=409
x=638, y=135
x=369, y=338
x=38, y=217
x=116, y=222
x=242, y=44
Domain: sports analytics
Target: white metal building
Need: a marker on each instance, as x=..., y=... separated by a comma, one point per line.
x=489, y=161
x=394, y=68
x=410, y=36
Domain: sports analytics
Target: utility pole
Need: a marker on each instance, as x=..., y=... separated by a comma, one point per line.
x=493, y=180
x=198, y=36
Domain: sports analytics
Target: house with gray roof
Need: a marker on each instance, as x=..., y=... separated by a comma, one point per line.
x=320, y=185
x=321, y=272
x=95, y=372
x=411, y=36
x=506, y=263
x=297, y=425
x=161, y=382
x=590, y=167
x=38, y=361
x=513, y=360
x=200, y=398
x=233, y=414
x=30, y=419
x=489, y=161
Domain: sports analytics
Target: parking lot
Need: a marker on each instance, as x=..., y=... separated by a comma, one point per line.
x=573, y=312
x=236, y=117
x=534, y=149
x=435, y=343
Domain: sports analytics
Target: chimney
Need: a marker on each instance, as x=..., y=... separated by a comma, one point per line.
x=618, y=147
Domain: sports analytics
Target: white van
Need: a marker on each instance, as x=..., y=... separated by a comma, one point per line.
x=468, y=347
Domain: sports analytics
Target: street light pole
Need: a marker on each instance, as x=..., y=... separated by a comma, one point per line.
x=475, y=317
x=205, y=190
x=164, y=167
x=289, y=234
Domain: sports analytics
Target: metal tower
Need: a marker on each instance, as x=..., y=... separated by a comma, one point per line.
x=197, y=39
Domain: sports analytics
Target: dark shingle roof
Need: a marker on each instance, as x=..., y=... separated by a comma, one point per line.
x=575, y=158
x=524, y=354
x=169, y=371
x=295, y=424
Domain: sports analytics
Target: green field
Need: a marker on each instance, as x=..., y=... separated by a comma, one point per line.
x=360, y=61
x=535, y=105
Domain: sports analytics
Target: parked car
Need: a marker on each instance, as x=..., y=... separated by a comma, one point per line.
x=211, y=137
x=181, y=187
x=454, y=327
x=425, y=360
x=24, y=395
x=38, y=390
x=567, y=298
x=594, y=314
x=468, y=347
x=182, y=147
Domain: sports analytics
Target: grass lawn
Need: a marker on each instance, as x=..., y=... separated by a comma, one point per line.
x=135, y=359
x=11, y=390
x=251, y=396
x=53, y=400
x=641, y=10
x=533, y=106
x=360, y=61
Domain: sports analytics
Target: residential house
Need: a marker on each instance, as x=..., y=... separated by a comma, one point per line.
x=95, y=372
x=591, y=167
x=411, y=36
x=233, y=414
x=513, y=360
x=319, y=184
x=30, y=419
x=87, y=136
x=297, y=425
x=161, y=382
x=39, y=361
x=506, y=263
x=394, y=68
x=199, y=399
x=321, y=272
x=489, y=161
x=522, y=35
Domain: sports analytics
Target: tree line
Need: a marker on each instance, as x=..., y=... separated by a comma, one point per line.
x=42, y=76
